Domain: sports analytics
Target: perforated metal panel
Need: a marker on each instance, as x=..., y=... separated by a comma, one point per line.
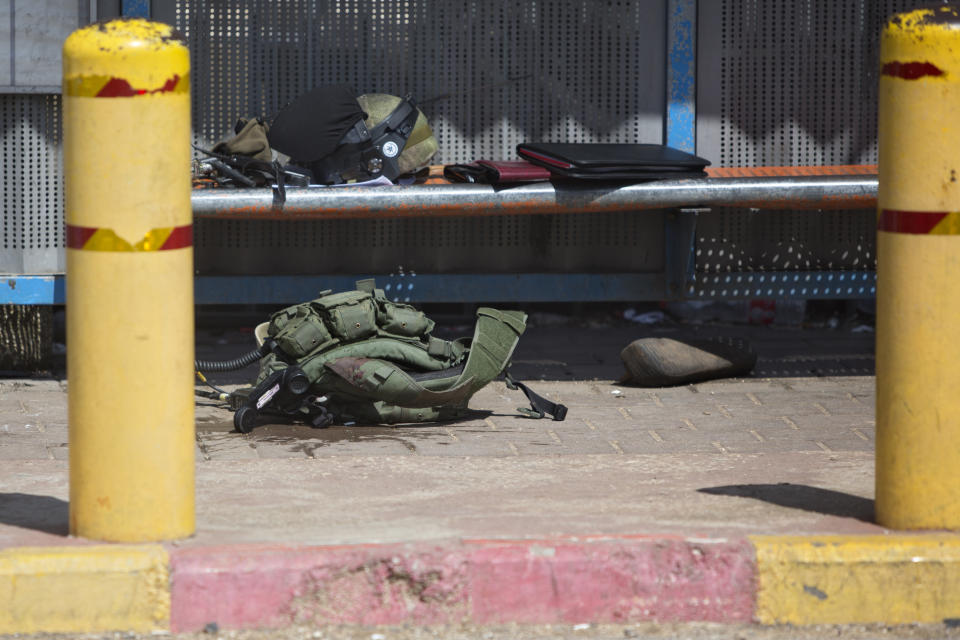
x=743, y=240
x=489, y=74
x=31, y=39
x=32, y=239
x=573, y=243
x=797, y=80
x=788, y=82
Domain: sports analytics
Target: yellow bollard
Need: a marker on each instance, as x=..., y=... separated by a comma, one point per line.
x=126, y=124
x=918, y=264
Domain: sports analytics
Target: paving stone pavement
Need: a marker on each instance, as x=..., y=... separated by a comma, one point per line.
x=812, y=390
x=742, y=416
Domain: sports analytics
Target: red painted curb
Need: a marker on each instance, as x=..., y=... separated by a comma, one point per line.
x=600, y=580
x=613, y=581
x=246, y=587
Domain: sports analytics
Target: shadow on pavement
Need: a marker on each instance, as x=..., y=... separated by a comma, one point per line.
x=40, y=513
x=800, y=496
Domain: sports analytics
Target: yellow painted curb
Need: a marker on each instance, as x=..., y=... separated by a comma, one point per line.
x=894, y=579
x=84, y=589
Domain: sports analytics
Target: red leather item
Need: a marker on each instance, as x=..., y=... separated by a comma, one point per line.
x=516, y=171
x=492, y=172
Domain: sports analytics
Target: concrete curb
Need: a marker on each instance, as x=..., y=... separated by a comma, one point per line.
x=620, y=579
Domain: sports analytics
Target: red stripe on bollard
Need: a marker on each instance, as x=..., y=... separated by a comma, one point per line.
x=911, y=70
x=917, y=222
x=120, y=88
x=78, y=236
x=103, y=239
x=180, y=238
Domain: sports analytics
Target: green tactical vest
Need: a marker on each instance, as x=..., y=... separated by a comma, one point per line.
x=376, y=361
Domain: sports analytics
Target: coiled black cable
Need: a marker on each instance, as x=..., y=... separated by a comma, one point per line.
x=237, y=363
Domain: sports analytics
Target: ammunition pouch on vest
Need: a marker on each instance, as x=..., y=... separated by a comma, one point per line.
x=372, y=360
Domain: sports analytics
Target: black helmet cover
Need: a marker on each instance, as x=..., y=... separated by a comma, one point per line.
x=312, y=126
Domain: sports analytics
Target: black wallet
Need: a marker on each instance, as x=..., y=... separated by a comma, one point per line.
x=597, y=161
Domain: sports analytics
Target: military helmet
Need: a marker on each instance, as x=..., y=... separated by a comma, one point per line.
x=421, y=145
x=341, y=137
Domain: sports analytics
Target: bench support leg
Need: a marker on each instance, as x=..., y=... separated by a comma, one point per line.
x=679, y=258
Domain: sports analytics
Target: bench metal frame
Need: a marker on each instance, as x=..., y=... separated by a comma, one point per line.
x=685, y=199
